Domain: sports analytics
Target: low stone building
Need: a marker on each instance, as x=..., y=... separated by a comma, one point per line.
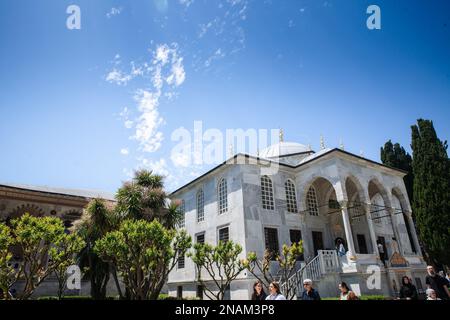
x=66, y=204
x=290, y=193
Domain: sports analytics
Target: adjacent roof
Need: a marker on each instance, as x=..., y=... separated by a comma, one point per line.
x=62, y=191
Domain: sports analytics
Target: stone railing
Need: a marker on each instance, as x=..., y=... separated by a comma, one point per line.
x=325, y=262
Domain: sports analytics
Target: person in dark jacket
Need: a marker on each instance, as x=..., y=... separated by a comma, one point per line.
x=309, y=293
x=437, y=283
x=258, y=291
x=408, y=291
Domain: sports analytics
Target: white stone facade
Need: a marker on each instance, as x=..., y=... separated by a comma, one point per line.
x=358, y=201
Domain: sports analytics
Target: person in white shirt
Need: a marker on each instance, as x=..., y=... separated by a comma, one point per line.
x=431, y=295
x=275, y=293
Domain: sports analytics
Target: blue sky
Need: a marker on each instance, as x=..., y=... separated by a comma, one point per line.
x=311, y=67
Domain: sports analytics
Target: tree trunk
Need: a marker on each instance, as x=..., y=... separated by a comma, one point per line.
x=116, y=281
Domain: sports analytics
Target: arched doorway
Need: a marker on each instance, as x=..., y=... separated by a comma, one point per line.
x=402, y=222
x=381, y=218
x=357, y=216
x=323, y=216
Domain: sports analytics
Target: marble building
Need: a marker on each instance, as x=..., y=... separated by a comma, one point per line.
x=289, y=193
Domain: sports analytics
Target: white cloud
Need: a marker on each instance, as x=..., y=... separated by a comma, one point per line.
x=113, y=12
x=186, y=3
x=158, y=167
x=128, y=124
x=149, y=121
x=178, y=74
x=163, y=74
x=117, y=77
x=218, y=54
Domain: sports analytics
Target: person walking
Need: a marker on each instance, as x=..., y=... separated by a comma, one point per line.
x=381, y=252
x=275, y=293
x=431, y=295
x=258, y=291
x=408, y=291
x=437, y=283
x=341, y=249
x=309, y=293
x=346, y=293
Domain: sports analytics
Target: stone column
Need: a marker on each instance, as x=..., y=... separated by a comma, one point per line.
x=412, y=228
x=348, y=231
x=394, y=229
x=373, y=236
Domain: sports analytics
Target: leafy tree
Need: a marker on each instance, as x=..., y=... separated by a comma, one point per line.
x=96, y=221
x=431, y=167
x=45, y=246
x=7, y=273
x=221, y=263
x=64, y=252
x=144, y=253
x=395, y=156
x=287, y=266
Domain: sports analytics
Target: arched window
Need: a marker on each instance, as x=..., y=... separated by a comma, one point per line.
x=200, y=206
x=267, y=193
x=291, y=198
x=182, y=210
x=222, y=195
x=311, y=200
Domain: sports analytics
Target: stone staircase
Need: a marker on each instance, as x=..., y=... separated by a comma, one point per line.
x=323, y=270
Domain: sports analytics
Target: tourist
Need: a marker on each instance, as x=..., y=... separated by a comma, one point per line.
x=258, y=291
x=381, y=252
x=275, y=293
x=309, y=293
x=341, y=249
x=437, y=283
x=408, y=291
x=346, y=293
x=431, y=295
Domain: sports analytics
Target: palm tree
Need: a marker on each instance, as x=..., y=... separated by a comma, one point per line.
x=96, y=221
x=144, y=198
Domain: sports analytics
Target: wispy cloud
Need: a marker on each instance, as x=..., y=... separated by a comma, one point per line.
x=186, y=3
x=159, y=77
x=118, y=77
x=113, y=12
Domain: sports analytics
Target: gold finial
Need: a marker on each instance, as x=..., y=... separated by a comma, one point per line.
x=281, y=135
x=341, y=144
x=322, y=142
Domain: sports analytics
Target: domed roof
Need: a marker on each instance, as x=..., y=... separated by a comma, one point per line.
x=283, y=149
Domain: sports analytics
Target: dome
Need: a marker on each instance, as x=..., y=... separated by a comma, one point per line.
x=283, y=149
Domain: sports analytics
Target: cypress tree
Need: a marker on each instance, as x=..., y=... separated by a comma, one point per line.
x=431, y=168
x=395, y=156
